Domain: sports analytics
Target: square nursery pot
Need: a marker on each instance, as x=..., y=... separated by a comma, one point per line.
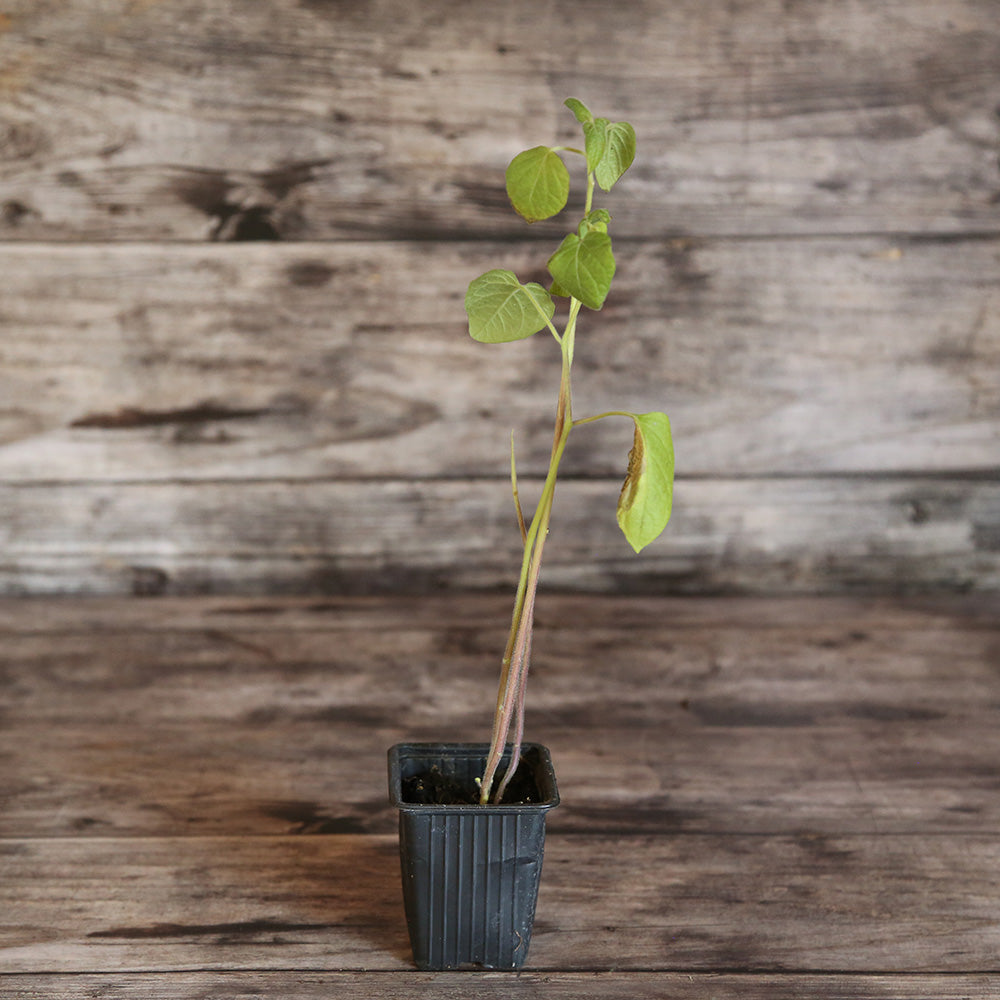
x=470, y=872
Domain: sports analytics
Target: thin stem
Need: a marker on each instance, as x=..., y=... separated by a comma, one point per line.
x=517, y=654
x=517, y=499
x=548, y=322
x=569, y=339
x=515, y=753
x=513, y=653
x=601, y=416
x=523, y=659
x=519, y=641
x=510, y=698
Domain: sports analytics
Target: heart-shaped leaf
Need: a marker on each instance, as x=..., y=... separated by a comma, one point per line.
x=619, y=152
x=501, y=309
x=647, y=493
x=537, y=183
x=584, y=267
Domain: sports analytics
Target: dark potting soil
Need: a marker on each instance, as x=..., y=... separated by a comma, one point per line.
x=435, y=788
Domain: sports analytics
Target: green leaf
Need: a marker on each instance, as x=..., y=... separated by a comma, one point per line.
x=537, y=183
x=595, y=134
x=597, y=219
x=579, y=110
x=556, y=289
x=619, y=152
x=647, y=493
x=501, y=309
x=584, y=267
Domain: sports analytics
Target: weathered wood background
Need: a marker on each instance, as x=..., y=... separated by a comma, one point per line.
x=763, y=798
x=234, y=241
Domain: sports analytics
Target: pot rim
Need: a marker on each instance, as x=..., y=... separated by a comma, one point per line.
x=545, y=777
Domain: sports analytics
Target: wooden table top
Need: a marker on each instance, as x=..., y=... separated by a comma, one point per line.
x=760, y=798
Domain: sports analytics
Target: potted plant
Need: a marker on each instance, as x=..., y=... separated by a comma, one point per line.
x=472, y=816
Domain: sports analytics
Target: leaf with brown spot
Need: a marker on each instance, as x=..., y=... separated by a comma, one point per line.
x=646, y=498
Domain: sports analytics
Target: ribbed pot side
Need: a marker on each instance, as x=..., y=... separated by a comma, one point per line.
x=470, y=872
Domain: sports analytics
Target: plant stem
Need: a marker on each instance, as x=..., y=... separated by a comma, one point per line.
x=513, y=677
x=517, y=499
x=601, y=416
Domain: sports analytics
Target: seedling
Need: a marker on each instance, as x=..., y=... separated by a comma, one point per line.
x=502, y=309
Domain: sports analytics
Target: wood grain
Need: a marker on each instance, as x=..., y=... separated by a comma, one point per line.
x=860, y=904
x=787, y=794
x=791, y=357
x=502, y=986
x=196, y=121
x=695, y=717
x=729, y=536
x=808, y=262
x=27, y=616
x=234, y=240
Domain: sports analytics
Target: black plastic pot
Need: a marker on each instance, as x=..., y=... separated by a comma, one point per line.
x=470, y=872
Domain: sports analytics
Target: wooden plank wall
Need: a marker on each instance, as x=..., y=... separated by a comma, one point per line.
x=234, y=241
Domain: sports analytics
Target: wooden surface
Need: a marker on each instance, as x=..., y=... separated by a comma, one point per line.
x=234, y=241
x=761, y=798
x=217, y=363
x=306, y=119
